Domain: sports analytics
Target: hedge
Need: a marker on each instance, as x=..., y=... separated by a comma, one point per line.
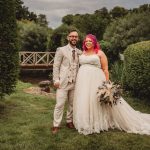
x=136, y=70
x=8, y=47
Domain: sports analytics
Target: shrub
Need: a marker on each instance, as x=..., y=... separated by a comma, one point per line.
x=136, y=71
x=111, y=54
x=116, y=72
x=8, y=47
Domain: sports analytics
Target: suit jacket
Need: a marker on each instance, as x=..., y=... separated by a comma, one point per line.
x=62, y=62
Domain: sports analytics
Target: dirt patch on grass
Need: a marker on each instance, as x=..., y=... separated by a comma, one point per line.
x=37, y=91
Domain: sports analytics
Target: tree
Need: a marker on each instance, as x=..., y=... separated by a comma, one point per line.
x=131, y=29
x=103, y=12
x=8, y=47
x=144, y=8
x=117, y=12
x=32, y=17
x=59, y=37
x=22, y=12
x=68, y=19
x=91, y=23
x=79, y=21
x=33, y=37
x=41, y=20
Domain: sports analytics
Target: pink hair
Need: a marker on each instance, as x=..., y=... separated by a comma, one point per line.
x=94, y=41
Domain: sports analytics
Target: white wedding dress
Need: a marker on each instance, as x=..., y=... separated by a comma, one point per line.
x=89, y=116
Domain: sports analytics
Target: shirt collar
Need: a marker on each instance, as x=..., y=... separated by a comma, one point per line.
x=70, y=48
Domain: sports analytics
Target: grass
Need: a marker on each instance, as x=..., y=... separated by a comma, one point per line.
x=26, y=121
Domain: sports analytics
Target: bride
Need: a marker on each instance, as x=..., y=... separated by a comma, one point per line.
x=88, y=114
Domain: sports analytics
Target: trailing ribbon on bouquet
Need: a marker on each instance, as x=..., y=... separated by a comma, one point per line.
x=109, y=93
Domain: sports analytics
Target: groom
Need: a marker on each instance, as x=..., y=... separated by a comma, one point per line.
x=65, y=67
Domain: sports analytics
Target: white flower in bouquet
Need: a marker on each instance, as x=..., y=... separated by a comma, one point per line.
x=109, y=93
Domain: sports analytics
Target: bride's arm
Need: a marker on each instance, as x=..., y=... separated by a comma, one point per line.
x=104, y=63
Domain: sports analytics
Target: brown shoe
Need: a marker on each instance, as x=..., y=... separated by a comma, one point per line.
x=70, y=125
x=55, y=130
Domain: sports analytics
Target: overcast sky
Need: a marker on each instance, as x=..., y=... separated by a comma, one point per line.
x=56, y=9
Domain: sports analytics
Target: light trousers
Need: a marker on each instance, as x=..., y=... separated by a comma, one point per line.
x=63, y=95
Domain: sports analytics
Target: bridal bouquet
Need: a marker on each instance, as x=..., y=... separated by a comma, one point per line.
x=109, y=93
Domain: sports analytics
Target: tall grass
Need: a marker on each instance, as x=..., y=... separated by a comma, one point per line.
x=116, y=72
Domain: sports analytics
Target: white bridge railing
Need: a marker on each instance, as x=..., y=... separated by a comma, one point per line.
x=36, y=59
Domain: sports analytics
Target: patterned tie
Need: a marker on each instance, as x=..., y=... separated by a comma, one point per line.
x=73, y=54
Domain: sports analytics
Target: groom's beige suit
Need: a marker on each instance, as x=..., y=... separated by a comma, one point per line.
x=65, y=69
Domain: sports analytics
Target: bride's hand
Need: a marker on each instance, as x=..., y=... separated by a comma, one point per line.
x=107, y=81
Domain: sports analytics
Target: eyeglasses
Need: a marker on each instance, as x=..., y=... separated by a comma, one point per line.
x=72, y=36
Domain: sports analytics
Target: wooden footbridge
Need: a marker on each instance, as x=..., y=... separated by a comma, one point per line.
x=36, y=60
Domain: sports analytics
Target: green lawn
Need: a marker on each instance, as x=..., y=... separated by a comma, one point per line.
x=26, y=121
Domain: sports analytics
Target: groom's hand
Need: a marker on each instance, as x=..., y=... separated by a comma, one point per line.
x=56, y=84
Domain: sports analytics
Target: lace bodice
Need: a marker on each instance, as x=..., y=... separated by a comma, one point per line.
x=90, y=60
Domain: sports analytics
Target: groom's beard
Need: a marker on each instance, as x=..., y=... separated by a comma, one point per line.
x=73, y=42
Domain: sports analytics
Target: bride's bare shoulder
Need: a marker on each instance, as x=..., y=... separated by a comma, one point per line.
x=100, y=53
